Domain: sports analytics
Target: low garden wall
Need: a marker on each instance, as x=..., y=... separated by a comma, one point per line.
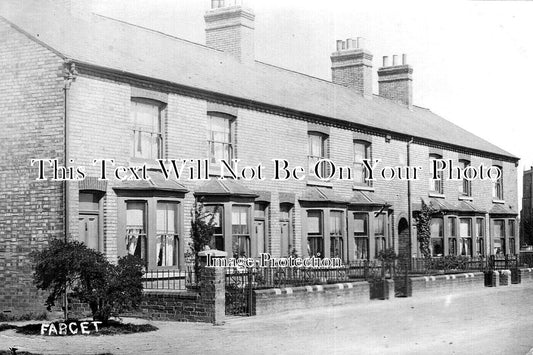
x=206, y=303
x=446, y=284
x=284, y=299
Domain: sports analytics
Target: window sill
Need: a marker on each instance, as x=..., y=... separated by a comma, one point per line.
x=466, y=198
x=313, y=182
x=363, y=188
x=501, y=202
x=436, y=195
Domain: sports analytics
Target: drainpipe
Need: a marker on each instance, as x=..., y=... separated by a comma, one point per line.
x=409, y=219
x=70, y=76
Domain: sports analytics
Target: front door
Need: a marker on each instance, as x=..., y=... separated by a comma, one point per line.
x=285, y=238
x=88, y=230
x=259, y=227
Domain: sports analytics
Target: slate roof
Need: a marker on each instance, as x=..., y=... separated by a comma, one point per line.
x=157, y=182
x=123, y=47
x=226, y=187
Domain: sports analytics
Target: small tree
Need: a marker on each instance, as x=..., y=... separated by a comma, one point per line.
x=70, y=266
x=423, y=229
x=202, y=230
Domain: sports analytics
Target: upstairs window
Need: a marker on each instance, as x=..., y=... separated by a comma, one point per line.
x=317, y=151
x=435, y=185
x=220, y=137
x=361, y=151
x=147, y=131
x=497, y=186
x=466, y=186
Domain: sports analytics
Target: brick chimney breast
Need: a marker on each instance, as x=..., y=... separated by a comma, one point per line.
x=231, y=29
x=396, y=81
x=351, y=66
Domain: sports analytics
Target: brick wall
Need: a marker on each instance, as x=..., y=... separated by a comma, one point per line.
x=31, y=109
x=308, y=297
x=446, y=284
x=206, y=305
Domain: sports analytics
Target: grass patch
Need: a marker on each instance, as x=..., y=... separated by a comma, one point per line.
x=112, y=327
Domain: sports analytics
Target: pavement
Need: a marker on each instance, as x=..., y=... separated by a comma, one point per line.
x=485, y=321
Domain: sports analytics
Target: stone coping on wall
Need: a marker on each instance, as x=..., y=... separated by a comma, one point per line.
x=277, y=300
x=313, y=288
x=180, y=294
x=447, y=277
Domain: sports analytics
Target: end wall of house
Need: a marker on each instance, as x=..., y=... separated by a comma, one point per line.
x=31, y=112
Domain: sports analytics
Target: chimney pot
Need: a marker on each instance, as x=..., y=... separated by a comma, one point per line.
x=360, y=42
x=350, y=43
x=394, y=60
x=404, y=59
x=385, y=61
x=339, y=45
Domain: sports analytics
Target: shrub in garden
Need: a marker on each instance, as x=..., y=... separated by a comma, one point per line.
x=72, y=267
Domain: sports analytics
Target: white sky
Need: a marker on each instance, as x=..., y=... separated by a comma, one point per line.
x=472, y=60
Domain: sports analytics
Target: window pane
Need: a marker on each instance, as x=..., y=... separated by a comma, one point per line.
x=480, y=227
x=361, y=248
x=465, y=227
x=314, y=225
x=360, y=151
x=360, y=223
x=239, y=219
x=316, y=145
x=511, y=228
x=436, y=227
x=437, y=246
x=335, y=223
x=379, y=224
x=499, y=228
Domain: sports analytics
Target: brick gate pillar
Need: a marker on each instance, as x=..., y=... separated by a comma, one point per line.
x=213, y=293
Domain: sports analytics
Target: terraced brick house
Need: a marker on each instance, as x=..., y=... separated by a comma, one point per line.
x=79, y=87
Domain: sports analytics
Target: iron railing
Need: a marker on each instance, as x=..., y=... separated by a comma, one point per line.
x=169, y=279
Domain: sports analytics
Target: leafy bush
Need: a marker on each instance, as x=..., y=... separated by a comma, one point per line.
x=423, y=229
x=202, y=229
x=70, y=266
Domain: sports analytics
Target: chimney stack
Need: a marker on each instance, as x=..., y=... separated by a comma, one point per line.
x=230, y=28
x=351, y=66
x=396, y=81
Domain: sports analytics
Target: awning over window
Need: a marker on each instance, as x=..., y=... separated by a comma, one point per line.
x=502, y=209
x=365, y=198
x=226, y=187
x=157, y=182
x=445, y=206
x=321, y=194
